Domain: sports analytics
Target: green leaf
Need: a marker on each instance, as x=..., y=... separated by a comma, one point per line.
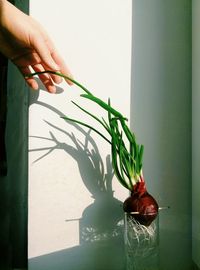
x=86, y=125
x=103, y=105
x=92, y=115
x=115, y=165
x=127, y=161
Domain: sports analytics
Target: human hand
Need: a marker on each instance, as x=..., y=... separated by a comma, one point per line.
x=27, y=45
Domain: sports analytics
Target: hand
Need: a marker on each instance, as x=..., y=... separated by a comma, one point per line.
x=27, y=45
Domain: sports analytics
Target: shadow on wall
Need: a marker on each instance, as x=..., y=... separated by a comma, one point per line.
x=98, y=256
x=100, y=228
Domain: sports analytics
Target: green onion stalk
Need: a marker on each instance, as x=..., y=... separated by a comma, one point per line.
x=127, y=154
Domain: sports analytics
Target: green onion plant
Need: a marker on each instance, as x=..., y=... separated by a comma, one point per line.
x=127, y=154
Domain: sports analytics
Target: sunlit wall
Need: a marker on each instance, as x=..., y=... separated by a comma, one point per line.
x=74, y=202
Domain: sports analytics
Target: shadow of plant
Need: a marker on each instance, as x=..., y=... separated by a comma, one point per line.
x=101, y=220
x=100, y=227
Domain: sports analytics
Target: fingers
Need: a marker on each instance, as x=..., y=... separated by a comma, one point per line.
x=33, y=60
x=50, y=59
x=63, y=67
x=45, y=78
x=31, y=49
x=42, y=57
x=42, y=49
x=57, y=79
x=30, y=81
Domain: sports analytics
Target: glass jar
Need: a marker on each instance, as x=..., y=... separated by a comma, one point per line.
x=141, y=244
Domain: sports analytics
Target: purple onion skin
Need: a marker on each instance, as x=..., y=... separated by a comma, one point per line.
x=142, y=202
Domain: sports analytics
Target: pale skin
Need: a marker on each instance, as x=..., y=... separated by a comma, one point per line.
x=24, y=41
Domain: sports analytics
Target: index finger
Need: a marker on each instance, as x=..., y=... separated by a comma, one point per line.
x=63, y=67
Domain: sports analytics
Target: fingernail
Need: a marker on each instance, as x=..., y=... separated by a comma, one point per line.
x=70, y=82
x=54, y=66
x=58, y=79
x=52, y=89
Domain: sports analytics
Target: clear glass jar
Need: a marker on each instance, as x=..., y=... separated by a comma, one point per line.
x=141, y=244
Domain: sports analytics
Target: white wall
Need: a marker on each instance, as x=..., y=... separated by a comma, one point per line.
x=161, y=116
x=196, y=132
x=68, y=208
